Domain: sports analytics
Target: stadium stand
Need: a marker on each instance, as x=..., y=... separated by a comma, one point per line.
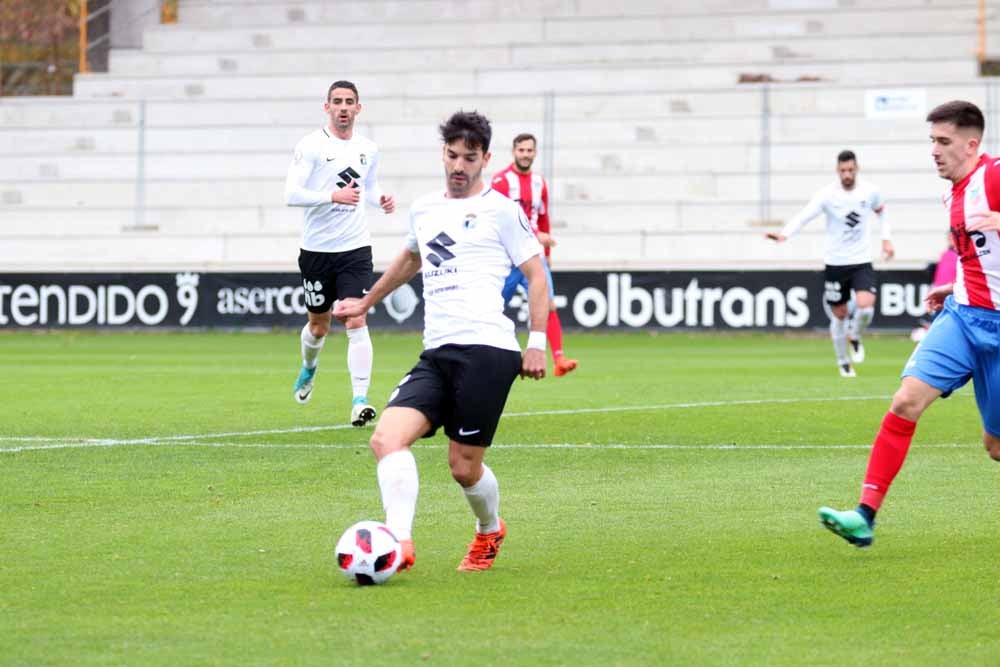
x=176, y=157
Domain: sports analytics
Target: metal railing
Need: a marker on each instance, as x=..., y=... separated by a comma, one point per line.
x=96, y=33
x=101, y=16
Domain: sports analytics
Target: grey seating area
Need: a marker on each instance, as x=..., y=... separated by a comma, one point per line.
x=674, y=133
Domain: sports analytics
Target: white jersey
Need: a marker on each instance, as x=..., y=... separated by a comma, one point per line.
x=323, y=163
x=467, y=247
x=848, y=218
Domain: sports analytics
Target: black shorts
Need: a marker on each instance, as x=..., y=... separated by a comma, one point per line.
x=840, y=280
x=460, y=387
x=328, y=276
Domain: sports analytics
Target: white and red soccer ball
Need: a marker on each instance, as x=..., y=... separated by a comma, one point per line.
x=368, y=553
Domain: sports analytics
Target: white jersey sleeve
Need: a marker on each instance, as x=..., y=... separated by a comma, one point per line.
x=518, y=238
x=296, y=192
x=811, y=211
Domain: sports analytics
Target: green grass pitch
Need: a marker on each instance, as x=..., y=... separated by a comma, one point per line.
x=164, y=501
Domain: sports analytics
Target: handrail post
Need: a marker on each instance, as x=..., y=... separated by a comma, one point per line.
x=84, y=67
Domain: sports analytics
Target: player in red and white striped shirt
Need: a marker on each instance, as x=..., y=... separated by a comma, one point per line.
x=530, y=190
x=963, y=343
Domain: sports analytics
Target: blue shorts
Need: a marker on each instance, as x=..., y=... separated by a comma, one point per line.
x=963, y=343
x=517, y=278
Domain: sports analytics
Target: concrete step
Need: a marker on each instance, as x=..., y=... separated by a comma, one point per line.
x=277, y=12
x=606, y=136
x=477, y=32
x=155, y=251
x=570, y=218
x=659, y=187
x=620, y=160
x=810, y=99
x=743, y=52
x=533, y=81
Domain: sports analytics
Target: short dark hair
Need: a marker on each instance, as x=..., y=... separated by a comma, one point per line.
x=342, y=84
x=846, y=156
x=470, y=126
x=525, y=136
x=960, y=113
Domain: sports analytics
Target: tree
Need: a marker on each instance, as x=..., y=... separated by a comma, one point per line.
x=38, y=44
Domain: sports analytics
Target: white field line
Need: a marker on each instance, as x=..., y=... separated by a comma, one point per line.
x=501, y=446
x=109, y=442
x=67, y=442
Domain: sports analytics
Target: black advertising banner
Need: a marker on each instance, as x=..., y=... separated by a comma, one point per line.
x=175, y=300
x=624, y=300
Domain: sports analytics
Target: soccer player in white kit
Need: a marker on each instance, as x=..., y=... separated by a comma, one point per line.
x=464, y=240
x=963, y=343
x=848, y=204
x=333, y=174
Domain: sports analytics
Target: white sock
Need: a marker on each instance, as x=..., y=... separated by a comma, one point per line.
x=399, y=484
x=838, y=333
x=359, y=360
x=484, y=499
x=311, y=347
x=862, y=318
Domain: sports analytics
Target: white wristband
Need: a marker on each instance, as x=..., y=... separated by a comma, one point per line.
x=536, y=340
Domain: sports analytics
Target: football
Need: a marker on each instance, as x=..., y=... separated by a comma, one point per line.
x=368, y=553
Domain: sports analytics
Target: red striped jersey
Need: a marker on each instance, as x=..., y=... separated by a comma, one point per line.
x=977, y=281
x=530, y=191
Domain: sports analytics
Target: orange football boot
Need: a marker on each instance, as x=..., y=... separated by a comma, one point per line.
x=564, y=365
x=483, y=550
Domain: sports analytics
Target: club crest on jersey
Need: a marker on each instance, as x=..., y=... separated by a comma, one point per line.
x=363, y=159
x=470, y=221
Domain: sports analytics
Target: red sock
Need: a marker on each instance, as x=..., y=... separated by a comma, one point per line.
x=554, y=333
x=888, y=453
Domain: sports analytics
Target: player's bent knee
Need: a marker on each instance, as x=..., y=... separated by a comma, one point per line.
x=355, y=322
x=905, y=406
x=909, y=402
x=465, y=470
x=383, y=444
x=465, y=473
x=318, y=330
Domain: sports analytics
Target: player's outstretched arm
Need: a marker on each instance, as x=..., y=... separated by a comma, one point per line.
x=533, y=363
x=403, y=267
x=811, y=211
